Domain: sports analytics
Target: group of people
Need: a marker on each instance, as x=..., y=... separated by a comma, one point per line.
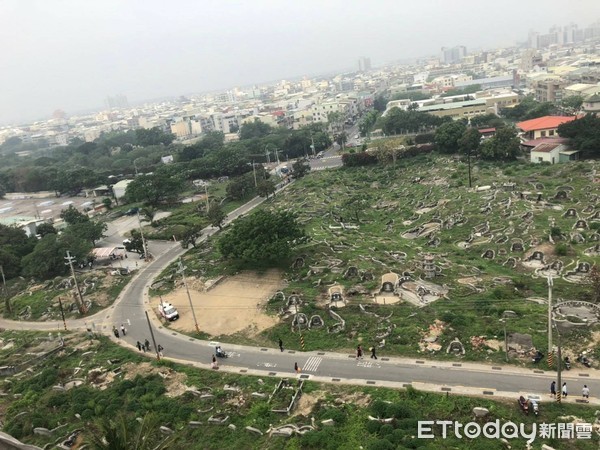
x=116, y=331
x=359, y=352
x=585, y=391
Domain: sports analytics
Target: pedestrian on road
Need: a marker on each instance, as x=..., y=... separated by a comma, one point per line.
x=585, y=391
x=123, y=330
x=296, y=368
x=564, y=390
x=138, y=344
x=280, y=344
x=214, y=364
x=359, y=352
x=553, y=389
x=160, y=348
x=147, y=345
x=373, y=355
x=116, y=332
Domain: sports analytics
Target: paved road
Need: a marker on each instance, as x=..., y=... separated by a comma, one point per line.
x=331, y=367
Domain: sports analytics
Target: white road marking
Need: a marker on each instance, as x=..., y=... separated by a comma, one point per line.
x=312, y=364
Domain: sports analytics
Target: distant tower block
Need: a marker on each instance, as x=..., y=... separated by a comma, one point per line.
x=428, y=266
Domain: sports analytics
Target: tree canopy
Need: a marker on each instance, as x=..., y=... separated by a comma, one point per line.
x=263, y=238
x=584, y=134
x=448, y=135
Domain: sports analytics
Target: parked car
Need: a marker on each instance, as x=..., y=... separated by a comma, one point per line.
x=168, y=311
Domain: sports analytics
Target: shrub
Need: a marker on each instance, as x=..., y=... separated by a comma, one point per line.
x=561, y=249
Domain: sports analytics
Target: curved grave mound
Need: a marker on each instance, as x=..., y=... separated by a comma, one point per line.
x=336, y=296
x=422, y=230
x=535, y=260
x=576, y=314
x=592, y=251
x=388, y=290
x=580, y=274
x=488, y=254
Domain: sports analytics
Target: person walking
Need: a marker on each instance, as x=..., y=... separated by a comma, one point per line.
x=296, y=368
x=280, y=344
x=585, y=392
x=123, y=330
x=138, y=344
x=564, y=390
x=373, y=355
x=553, y=389
x=147, y=345
x=160, y=348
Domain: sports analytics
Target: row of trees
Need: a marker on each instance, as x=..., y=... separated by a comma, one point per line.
x=43, y=258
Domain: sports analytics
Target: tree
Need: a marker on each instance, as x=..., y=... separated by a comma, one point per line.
x=148, y=213
x=300, y=168
x=190, y=236
x=341, y=138
x=72, y=215
x=216, y=215
x=135, y=243
x=255, y=129
x=45, y=228
x=470, y=141
x=263, y=238
x=91, y=230
x=584, y=134
x=265, y=188
x=240, y=187
x=572, y=104
x=153, y=136
x=448, y=135
x=505, y=145
x=154, y=189
x=122, y=433
x=47, y=258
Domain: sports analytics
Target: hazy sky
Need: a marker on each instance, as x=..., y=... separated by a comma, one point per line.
x=71, y=54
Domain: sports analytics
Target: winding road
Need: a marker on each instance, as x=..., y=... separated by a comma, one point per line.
x=475, y=379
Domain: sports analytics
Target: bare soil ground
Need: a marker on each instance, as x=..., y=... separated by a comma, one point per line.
x=234, y=305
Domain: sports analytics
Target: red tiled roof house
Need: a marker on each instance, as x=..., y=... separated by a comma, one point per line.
x=541, y=127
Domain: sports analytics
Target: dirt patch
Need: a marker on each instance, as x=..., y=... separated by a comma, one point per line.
x=307, y=403
x=174, y=381
x=234, y=305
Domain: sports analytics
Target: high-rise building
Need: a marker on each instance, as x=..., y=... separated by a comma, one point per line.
x=364, y=64
x=453, y=55
x=117, y=102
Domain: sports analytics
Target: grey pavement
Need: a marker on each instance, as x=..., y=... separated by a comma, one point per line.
x=465, y=378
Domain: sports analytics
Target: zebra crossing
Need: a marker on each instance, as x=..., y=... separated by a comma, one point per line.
x=312, y=364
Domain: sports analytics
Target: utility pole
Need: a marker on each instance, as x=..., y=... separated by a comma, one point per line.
x=559, y=365
x=4, y=293
x=207, y=203
x=503, y=320
x=62, y=313
x=142, y=235
x=152, y=336
x=469, y=163
x=79, y=298
x=550, y=284
x=182, y=270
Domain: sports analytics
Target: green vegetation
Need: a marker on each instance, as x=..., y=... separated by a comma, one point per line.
x=156, y=393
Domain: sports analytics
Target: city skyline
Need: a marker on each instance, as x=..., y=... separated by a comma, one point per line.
x=71, y=56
